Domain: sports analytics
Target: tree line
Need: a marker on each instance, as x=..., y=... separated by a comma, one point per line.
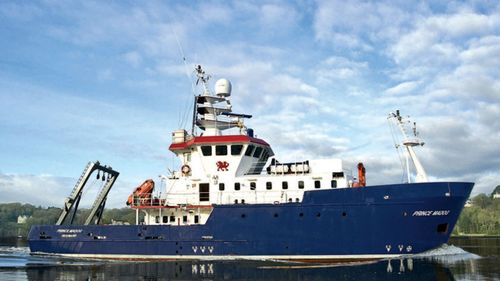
x=483, y=217
x=9, y=213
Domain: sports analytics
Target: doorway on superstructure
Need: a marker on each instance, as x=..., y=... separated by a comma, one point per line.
x=204, y=192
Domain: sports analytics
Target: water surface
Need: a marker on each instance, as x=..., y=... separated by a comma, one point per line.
x=461, y=259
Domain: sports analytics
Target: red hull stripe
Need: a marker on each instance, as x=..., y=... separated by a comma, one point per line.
x=216, y=139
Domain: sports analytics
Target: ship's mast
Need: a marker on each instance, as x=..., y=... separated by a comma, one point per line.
x=212, y=113
x=409, y=143
x=202, y=77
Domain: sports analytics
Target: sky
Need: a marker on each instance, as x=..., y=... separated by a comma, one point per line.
x=110, y=80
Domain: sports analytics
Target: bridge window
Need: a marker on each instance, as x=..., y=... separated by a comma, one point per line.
x=172, y=218
x=269, y=185
x=237, y=186
x=301, y=184
x=221, y=186
x=334, y=183
x=196, y=219
x=206, y=150
x=284, y=185
x=221, y=150
x=184, y=219
x=265, y=155
x=236, y=149
x=165, y=219
x=249, y=150
x=317, y=184
x=257, y=152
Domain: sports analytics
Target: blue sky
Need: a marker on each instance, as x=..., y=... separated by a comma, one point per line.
x=105, y=80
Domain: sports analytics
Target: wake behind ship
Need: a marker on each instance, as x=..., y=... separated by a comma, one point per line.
x=231, y=199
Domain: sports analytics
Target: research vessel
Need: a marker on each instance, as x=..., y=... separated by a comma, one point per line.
x=231, y=198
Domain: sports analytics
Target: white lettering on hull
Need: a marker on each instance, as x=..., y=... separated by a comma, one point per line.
x=429, y=213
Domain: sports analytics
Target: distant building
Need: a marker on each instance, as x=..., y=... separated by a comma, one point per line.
x=21, y=219
x=113, y=222
x=468, y=203
x=496, y=192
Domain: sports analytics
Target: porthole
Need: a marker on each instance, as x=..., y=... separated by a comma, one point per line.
x=317, y=184
x=301, y=184
x=284, y=185
x=269, y=185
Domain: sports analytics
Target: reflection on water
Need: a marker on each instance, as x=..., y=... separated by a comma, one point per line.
x=446, y=263
x=233, y=270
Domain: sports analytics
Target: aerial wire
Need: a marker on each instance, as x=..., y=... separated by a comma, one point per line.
x=187, y=106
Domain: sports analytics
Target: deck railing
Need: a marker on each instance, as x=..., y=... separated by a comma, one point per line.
x=218, y=197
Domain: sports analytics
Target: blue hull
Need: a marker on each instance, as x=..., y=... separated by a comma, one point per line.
x=349, y=223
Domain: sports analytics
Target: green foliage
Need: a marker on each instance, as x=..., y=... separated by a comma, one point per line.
x=482, y=218
x=38, y=215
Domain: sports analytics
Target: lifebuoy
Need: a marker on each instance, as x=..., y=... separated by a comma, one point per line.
x=185, y=169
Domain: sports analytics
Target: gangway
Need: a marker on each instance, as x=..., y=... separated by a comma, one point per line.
x=71, y=203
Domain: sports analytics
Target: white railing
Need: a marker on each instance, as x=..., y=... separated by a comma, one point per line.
x=219, y=197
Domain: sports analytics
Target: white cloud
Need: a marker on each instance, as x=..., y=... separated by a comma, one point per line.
x=435, y=39
x=51, y=191
x=402, y=88
x=339, y=68
x=358, y=24
x=34, y=189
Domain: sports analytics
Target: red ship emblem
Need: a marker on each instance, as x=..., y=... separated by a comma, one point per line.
x=222, y=166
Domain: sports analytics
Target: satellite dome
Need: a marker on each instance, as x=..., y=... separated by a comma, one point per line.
x=223, y=88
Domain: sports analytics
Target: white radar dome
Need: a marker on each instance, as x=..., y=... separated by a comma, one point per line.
x=223, y=88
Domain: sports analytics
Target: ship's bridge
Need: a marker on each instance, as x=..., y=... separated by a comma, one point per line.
x=222, y=156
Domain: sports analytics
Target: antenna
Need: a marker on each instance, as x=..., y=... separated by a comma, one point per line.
x=203, y=77
x=188, y=75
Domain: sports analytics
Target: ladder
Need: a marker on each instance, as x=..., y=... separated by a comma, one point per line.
x=71, y=203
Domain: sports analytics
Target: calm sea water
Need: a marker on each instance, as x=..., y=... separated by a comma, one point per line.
x=461, y=259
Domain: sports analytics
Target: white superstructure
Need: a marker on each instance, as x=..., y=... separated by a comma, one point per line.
x=232, y=169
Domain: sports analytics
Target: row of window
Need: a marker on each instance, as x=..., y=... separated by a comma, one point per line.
x=235, y=149
x=221, y=150
x=284, y=185
x=171, y=219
